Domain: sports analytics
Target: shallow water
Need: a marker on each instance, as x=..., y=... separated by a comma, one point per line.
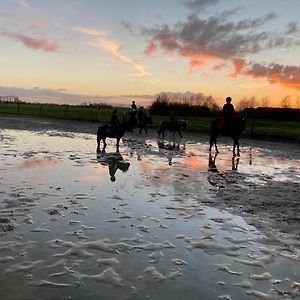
x=77, y=224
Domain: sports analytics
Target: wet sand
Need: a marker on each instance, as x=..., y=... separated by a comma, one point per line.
x=174, y=223
x=275, y=202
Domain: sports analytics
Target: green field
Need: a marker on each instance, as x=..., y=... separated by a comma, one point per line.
x=263, y=128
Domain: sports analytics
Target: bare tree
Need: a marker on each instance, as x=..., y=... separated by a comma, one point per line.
x=286, y=102
x=265, y=102
x=297, y=102
x=246, y=103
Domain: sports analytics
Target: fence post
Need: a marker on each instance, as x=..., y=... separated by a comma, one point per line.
x=66, y=110
x=40, y=112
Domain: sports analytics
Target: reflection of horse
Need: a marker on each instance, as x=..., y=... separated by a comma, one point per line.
x=168, y=146
x=235, y=163
x=234, y=130
x=114, y=161
x=175, y=127
x=105, y=131
x=212, y=163
x=172, y=147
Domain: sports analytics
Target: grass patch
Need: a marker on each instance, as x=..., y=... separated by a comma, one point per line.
x=263, y=128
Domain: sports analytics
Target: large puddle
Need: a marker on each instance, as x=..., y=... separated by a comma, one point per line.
x=77, y=223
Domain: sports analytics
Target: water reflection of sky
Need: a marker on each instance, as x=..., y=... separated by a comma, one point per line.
x=51, y=179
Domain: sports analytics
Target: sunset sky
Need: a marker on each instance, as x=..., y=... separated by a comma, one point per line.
x=115, y=51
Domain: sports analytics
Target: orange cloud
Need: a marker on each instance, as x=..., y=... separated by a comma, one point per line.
x=150, y=49
x=287, y=76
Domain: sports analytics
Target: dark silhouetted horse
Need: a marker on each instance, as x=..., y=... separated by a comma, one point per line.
x=234, y=129
x=130, y=118
x=105, y=131
x=175, y=127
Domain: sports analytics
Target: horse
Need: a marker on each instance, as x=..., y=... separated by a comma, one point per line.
x=105, y=131
x=175, y=127
x=129, y=117
x=234, y=130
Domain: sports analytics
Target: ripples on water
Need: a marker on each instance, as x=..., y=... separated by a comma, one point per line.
x=76, y=224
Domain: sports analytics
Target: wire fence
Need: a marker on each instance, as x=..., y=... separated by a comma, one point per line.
x=87, y=113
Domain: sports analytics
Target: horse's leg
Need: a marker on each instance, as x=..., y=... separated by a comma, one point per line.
x=98, y=139
x=213, y=141
x=217, y=151
x=210, y=144
x=104, y=143
x=236, y=145
x=179, y=131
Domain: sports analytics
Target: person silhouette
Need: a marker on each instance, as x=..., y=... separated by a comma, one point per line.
x=228, y=112
x=114, y=121
x=133, y=106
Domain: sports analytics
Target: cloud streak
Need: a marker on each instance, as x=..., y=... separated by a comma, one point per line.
x=32, y=42
x=115, y=50
x=90, y=31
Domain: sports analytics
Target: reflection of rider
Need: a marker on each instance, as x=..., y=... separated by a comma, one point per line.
x=228, y=112
x=114, y=121
x=112, y=169
x=114, y=161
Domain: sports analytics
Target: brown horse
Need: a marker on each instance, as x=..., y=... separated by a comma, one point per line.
x=175, y=127
x=234, y=130
x=105, y=131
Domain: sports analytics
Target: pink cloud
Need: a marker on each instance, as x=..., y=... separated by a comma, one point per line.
x=150, y=49
x=286, y=76
x=31, y=42
x=239, y=65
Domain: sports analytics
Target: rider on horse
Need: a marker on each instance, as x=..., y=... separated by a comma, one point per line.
x=228, y=112
x=114, y=121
